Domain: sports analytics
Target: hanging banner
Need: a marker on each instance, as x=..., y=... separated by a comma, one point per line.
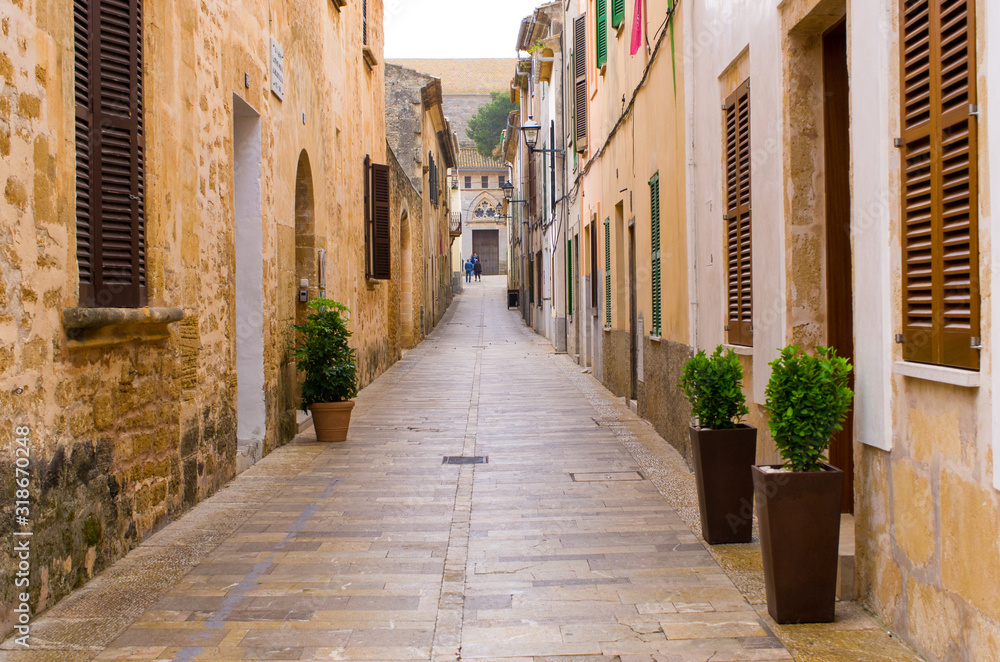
x=636, y=28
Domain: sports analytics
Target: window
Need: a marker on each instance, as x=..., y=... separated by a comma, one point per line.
x=502, y=181
x=378, y=220
x=654, y=224
x=739, y=269
x=569, y=276
x=468, y=182
x=593, y=265
x=486, y=181
x=580, y=96
x=617, y=13
x=607, y=272
x=941, y=305
x=110, y=180
x=433, y=180
x=602, y=32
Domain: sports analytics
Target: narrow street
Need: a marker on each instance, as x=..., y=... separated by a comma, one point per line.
x=557, y=545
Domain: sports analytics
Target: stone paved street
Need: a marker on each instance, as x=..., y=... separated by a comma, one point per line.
x=559, y=546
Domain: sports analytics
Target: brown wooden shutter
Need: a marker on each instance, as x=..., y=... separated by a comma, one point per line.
x=381, y=223
x=109, y=133
x=941, y=302
x=580, y=96
x=364, y=22
x=738, y=227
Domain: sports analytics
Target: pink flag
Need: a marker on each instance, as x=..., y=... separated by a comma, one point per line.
x=636, y=28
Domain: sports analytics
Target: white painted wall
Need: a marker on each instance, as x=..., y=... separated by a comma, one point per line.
x=251, y=423
x=721, y=32
x=870, y=40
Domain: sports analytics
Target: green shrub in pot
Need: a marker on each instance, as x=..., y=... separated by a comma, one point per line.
x=808, y=398
x=722, y=449
x=713, y=386
x=323, y=354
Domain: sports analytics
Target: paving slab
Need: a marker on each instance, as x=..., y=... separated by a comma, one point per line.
x=558, y=543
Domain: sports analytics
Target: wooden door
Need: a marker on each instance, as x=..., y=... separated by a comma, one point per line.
x=840, y=300
x=487, y=244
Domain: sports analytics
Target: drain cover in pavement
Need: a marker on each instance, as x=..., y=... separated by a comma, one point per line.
x=464, y=459
x=602, y=476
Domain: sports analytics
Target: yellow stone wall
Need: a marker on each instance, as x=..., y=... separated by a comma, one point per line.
x=125, y=436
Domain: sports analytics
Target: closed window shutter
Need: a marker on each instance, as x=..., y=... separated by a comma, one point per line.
x=545, y=189
x=569, y=275
x=739, y=267
x=381, y=223
x=607, y=273
x=110, y=183
x=941, y=302
x=617, y=12
x=654, y=193
x=601, y=44
x=580, y=95
x=364, y=22
x=593, y=267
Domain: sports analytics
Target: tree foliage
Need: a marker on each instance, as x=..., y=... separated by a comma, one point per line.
x=714, y=387
x=807, y=399
x=323, y=355
x=489, y=122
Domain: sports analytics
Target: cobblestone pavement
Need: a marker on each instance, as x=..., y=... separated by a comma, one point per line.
x=559, y=546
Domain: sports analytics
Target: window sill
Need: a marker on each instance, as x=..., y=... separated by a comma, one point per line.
x=655, y=339
x=101, y=327
x=339, y=4
x=607, y=329
x=937, y=373
x=742, y=350
x=370, y=60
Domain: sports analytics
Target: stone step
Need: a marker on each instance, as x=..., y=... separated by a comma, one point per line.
x=845, y=567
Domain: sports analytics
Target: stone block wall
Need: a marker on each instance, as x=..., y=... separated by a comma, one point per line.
x=133, y=423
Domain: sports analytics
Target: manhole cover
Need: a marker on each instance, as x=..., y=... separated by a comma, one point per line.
x=465, y=459
x=597, y=477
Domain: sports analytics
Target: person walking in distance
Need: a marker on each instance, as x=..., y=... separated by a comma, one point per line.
x=468, y=270
x=478, y=268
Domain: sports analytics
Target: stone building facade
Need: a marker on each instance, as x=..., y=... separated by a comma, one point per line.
x=484, y=226
x=248, y=146
x=427, y=149
x=823, y=178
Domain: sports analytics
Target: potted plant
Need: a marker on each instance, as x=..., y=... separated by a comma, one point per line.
x=722, y=447
x=331, y=376
x=798, y=503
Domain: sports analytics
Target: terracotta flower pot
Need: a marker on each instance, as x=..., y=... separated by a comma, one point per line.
x=331, y=420
x=799, y=515
x=722, y=461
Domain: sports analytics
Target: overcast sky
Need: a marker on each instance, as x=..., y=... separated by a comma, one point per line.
x=453, y=28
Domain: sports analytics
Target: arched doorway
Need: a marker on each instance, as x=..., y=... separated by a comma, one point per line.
x=305, y=234
x=405, y=283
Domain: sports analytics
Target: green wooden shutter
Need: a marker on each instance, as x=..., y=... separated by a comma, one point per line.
x=607, y=273
x=580, y=97
x=110, y=180
x=569, y=276
x=617, y=13
x=545, y=189
x=654, y=223
x=602, y=32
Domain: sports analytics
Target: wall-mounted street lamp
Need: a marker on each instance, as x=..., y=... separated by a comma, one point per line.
x=508, y=192
x=530, y=129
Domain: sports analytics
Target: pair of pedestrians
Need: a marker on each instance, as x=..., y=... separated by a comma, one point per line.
x=473, y=266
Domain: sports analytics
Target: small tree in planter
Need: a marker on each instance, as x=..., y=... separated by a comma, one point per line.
x=798, y=503
x=323, y=354
x=723, y=449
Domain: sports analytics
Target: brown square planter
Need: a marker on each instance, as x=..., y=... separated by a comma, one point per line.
x=722, y=462
x=799, y=516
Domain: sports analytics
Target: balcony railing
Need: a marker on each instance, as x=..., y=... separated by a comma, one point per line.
x=455, y=224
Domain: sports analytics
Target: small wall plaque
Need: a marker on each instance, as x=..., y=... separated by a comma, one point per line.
x=277, y=70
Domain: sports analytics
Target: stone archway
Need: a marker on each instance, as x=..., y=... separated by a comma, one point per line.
x=405, y=283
